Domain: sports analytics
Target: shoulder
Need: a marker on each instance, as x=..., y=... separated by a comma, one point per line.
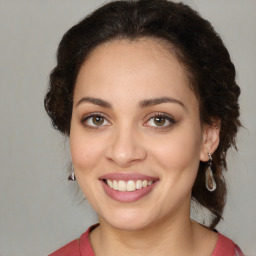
x=78, y=247
x=226, y=247
x=71, y=248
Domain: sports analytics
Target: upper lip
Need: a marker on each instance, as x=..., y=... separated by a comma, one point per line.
x=127, y=176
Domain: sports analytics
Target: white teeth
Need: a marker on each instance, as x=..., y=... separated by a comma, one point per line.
x=110, y=184
x=121, y=185
x=129, y=185
x=150, y=182
x=138, y=184
x=115, y=185
x=144, y=183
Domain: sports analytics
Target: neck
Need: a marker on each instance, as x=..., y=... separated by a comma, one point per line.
x=173, y=234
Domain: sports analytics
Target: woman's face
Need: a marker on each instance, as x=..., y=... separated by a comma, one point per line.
x=136, y=138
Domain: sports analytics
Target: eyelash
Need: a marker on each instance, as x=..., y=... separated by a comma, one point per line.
x=166, y=117
x=162, y=115
x=91, y=115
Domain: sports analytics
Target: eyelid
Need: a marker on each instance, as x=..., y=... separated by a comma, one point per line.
x=153, y=115
x=93, y=114
x=161, y=114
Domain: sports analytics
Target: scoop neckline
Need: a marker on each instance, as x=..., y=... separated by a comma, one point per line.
x=85, y=242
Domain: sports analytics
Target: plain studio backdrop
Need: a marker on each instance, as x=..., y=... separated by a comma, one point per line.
x=40, y=210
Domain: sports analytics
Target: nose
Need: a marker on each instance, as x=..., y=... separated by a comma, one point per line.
x=125, y=148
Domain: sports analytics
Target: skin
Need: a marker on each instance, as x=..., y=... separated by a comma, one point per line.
x=129, y=140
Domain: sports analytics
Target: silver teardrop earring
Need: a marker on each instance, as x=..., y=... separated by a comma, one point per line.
x=209, y=179
x=72, y=175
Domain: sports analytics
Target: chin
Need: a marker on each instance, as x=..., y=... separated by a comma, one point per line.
x=131, y=220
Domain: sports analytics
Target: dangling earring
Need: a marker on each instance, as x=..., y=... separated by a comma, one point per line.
x=209, y=179
x=72, y=175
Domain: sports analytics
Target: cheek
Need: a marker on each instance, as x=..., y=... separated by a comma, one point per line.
x=85, y=150
x=180, y=151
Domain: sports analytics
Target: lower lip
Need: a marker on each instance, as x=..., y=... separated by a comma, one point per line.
x=127, y=196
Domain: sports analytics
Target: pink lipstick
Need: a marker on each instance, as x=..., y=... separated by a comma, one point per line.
x=127, y=187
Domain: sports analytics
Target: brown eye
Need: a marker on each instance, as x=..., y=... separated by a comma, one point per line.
x=97, y=120
x=159, y=121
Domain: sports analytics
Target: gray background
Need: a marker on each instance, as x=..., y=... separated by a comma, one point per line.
x=40, y=210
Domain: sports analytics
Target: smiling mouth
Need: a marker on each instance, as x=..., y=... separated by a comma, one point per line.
x=130, y=185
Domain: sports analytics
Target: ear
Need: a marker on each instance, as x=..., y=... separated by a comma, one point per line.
x=210, y=140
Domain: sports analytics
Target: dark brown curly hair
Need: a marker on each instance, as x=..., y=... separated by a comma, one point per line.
x=196, y=45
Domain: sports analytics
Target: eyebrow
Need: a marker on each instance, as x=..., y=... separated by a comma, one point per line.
x=143, y=104
x=157, y=101
x=95, y=101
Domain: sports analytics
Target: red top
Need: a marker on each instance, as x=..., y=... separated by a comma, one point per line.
x=82, y=247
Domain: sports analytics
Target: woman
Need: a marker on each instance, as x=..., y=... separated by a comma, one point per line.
x=146, y=92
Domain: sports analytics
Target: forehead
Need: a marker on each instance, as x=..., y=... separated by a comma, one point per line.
x=144, y=68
